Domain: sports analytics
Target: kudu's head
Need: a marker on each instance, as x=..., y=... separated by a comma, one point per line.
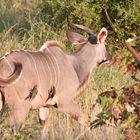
x=96, y=43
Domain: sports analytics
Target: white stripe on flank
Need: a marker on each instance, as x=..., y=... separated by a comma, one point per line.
x=34, y=63
x=55, y=73
x=49, y=69
x=58, y=77
x=45, y=46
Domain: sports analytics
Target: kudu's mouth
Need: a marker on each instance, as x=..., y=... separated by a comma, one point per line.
x=103, y=62
x=107, y=60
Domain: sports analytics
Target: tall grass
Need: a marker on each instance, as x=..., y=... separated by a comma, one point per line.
x=21, y=27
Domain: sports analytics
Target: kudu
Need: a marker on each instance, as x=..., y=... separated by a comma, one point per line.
x=50, y=77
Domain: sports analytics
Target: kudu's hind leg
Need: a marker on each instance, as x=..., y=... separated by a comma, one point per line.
x=73, y=109
x=17, y=116
x=43, y=116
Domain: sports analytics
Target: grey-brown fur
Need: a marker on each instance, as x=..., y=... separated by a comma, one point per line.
x=47, y=68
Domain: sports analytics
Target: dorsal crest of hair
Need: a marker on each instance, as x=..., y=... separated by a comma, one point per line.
x=51, y=43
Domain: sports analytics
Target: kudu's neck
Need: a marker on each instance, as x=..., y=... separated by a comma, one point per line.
x=85, y=60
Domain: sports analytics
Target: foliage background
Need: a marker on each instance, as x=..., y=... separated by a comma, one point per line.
x=27, y=24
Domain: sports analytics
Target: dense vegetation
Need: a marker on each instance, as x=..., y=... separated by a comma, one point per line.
x=27, y=24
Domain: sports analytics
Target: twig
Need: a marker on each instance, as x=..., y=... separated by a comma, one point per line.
x=109, y=21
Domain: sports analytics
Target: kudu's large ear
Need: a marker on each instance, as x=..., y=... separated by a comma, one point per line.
x=101, y=37
x=74, y=37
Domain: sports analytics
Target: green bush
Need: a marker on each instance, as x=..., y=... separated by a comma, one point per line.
x=123, y=14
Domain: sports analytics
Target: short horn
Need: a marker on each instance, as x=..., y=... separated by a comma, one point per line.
x=13, y=77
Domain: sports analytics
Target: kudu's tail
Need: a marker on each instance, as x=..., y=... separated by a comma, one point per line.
x=13, y=77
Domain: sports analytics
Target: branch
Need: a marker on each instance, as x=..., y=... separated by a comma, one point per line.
x=133, y=52
x=109, y=21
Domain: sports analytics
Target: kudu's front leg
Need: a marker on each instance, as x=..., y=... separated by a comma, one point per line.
x=73, y=109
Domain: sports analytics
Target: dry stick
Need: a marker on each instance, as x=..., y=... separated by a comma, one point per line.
x=134, y=37
x=109, y=21
x=133, y=52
